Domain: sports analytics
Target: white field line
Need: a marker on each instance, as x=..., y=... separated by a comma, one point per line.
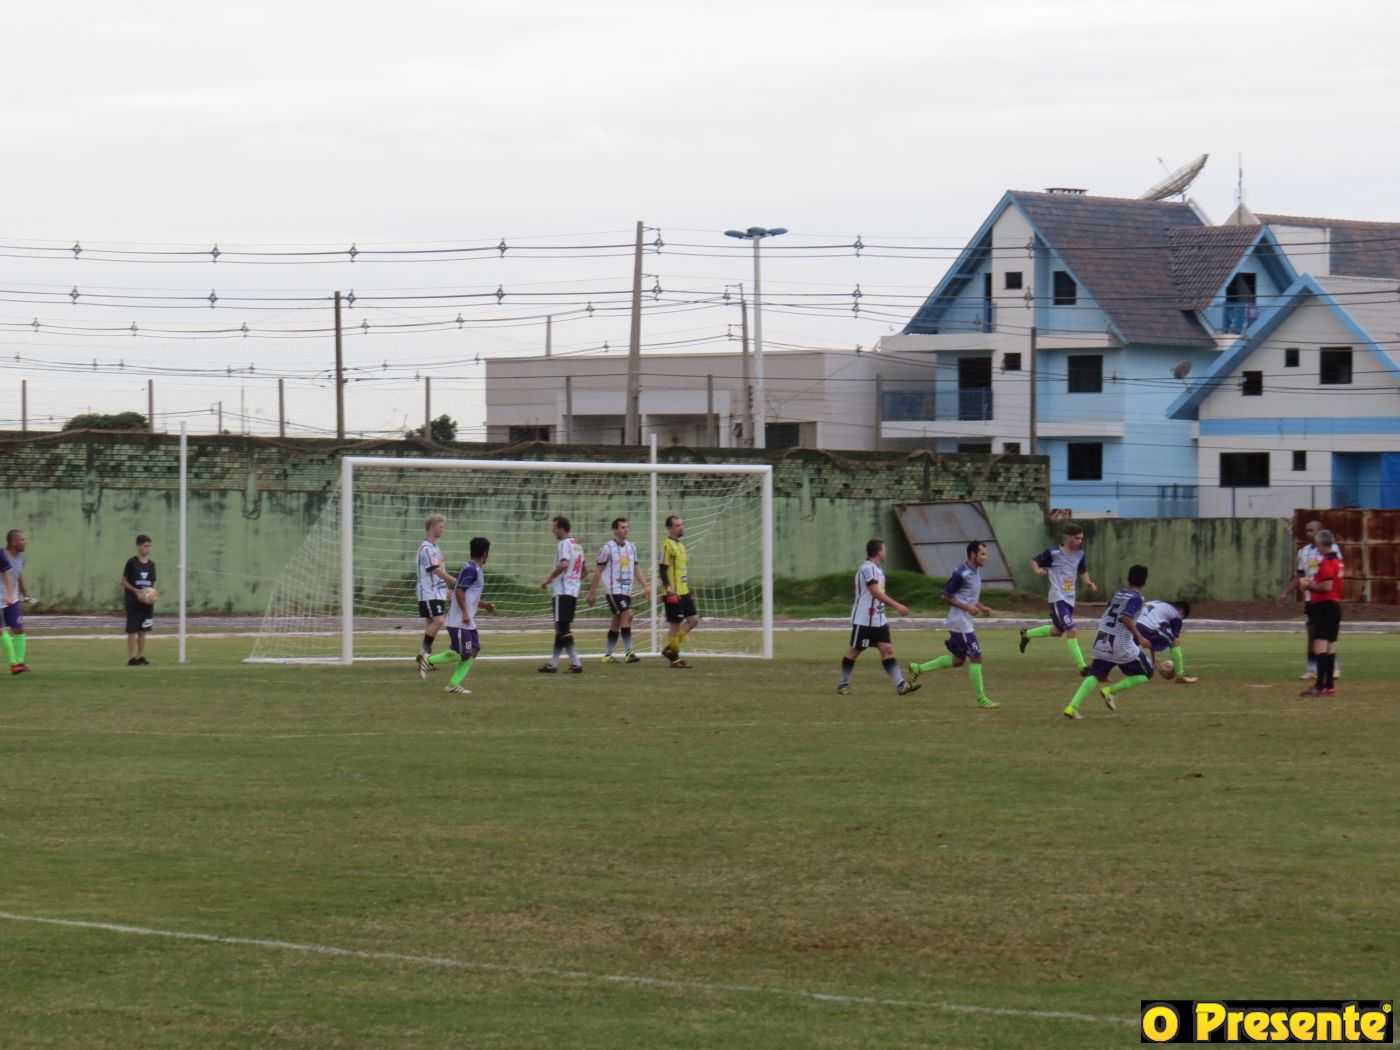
x=676, y=984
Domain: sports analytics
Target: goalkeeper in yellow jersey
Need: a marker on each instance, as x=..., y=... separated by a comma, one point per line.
x=673, y=571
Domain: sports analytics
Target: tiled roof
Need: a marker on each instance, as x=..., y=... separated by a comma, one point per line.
x=1204, y=257
x=1359, y=249
x=1121, y=250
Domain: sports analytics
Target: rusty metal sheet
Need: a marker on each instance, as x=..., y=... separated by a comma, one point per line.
x=939, y=534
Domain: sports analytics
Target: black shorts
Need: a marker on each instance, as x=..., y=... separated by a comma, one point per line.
x=1325, y=619
x=138, y=615
x=863, y=637
x=432, y=608
x=681, y=608
x=619, y=603
x=565, y=605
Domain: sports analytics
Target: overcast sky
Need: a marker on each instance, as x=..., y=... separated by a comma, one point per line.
x=309, y=125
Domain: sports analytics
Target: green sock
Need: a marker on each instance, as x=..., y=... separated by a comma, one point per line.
x=1073, y=644
x=9, y=642
x=444, y=657
x=21, y=645
x=466, y=665
x=974, y=671
x=1040, y=632
x=1085, y=688
x=938, y=664
x=1178, y=659
x=1128, y=683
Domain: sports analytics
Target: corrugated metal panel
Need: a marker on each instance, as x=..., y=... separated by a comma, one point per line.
x=1370, y=541
x=940, y=532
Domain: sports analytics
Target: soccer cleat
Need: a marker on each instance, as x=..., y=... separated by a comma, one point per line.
x=680, y=664
x=1314, y=691
x=143, y=661
x=549, y=669
x=913, y=672
x=1188, y=679
x=905, y=688
x=22, y=668
x=422, y=661
x=987, y=702
x=132, y=662
x=575, y=669
x=608, y=658
x=16, y=669
x=458, y=689
x=1329, y=691
x=1107, y=695
x=1025, y=640
x=1072, y=712
x=631, y=658
x=843, y=690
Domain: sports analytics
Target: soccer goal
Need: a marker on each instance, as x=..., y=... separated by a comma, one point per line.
x=349, y=592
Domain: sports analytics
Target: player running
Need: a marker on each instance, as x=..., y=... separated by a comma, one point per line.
x=618, y=565
x=964, y=595
x=12, y=573
x=565, y=581
x=1119, y=644
x=1161, y=624
x=674, y=573
x=1064, y=565
x=868, y=624
x=461, y=618
x=434, y=584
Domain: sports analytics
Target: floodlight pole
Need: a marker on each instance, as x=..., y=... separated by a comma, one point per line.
x=756, y=234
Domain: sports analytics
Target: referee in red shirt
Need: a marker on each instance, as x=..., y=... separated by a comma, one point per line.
x=1324, y=612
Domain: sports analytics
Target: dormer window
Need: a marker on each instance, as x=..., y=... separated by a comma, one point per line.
x=1065, y=290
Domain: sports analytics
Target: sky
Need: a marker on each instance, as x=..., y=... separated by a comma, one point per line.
x=428, y=133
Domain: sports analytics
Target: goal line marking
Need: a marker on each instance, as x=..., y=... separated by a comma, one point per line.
x=679, y=984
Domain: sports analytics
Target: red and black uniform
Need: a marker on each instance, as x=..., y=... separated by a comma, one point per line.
x=1325, y=618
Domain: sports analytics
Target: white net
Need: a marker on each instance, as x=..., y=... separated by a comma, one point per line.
x=513, y=505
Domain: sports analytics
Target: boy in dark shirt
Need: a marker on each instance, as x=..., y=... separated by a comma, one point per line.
x=138, y=576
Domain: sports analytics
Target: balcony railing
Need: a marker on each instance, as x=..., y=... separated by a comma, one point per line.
x=1235, y=318
x=908, y=406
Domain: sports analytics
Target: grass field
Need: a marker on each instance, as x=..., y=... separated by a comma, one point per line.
x=732, y=856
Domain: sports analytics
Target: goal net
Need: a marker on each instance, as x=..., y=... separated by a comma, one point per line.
x=350, y=592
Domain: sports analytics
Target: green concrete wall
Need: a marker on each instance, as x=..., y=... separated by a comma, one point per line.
x=83, y=497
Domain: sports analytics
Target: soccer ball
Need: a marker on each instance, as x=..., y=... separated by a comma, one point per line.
x=1167, y=669
x=148, y=596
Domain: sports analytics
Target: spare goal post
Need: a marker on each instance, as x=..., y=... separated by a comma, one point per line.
x=350, y=592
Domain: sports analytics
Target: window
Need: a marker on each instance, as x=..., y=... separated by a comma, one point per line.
x=1010, y=362
x=1013, y=278
x=1290, y=357
x=783, y=435
x=1336, y=366
x=1085, y=461
x=1066, y=292
x=1011, y=448
x=1300, y=460
x=1252, y=384
x=1085, y=374
x=522, y=434
x=1244, y=470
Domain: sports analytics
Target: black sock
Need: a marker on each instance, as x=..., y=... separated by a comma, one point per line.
x=1326, y=663
x=627, y=639
x=427, y=643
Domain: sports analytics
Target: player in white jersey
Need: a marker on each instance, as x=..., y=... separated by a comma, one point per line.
x=1119, y=643
x=1064, y=566
x=618, y=567
x=964, y=596
x=461, y=617
x=1308, y=560
x=570, y=568
x=434, y=585
x=868, y=624
x=1161, y=623
x=15, y=595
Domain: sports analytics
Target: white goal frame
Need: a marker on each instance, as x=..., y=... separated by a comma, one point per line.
x=347, y=521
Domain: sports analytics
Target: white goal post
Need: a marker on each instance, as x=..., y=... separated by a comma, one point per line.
x=349, y=593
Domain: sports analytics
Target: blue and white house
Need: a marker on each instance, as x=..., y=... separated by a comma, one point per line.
x=1304, y=409
x=1101, y=305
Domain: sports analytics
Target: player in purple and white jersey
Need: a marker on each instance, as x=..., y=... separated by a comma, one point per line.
x=964, y=596
x=1064, y=566
x=1161, y=623
x=1119, y=643
x=461, y=617
x=12, y=560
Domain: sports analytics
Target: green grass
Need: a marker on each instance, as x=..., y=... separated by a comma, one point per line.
x=737, y=830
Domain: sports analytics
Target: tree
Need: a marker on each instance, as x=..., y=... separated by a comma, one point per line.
x=443, y=429
x=104, y=421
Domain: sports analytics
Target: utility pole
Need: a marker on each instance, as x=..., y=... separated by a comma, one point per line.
x=281, y=410
x=748, y=368
x=339, y=377
x=151, y=405
x=549, y=335
x=711, y=422
x=220, y=428
x=879, y=408
x=427, y=408
x=1033, y=451
x=24, y=404
x=633, y=433
x=568, y=410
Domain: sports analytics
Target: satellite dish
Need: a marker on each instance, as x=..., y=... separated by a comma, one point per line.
x=1177, y=182
x=1182, y=370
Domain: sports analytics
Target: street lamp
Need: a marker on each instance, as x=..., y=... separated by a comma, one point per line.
x=756, y=234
